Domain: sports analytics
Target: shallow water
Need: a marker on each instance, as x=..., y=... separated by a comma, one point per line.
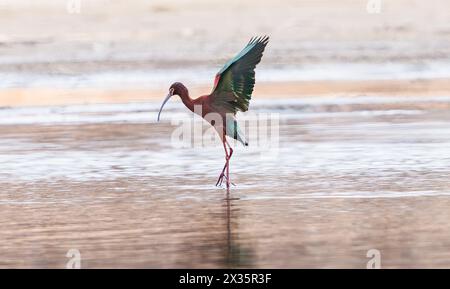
x=349, y=175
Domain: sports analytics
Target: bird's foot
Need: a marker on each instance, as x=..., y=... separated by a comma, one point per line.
x=220, y=180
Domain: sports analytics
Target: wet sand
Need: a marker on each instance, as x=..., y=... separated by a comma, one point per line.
x=351, y=175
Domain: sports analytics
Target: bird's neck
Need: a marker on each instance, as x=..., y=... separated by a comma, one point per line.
x=188, y=102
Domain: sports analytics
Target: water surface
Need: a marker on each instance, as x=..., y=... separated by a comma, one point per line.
x=350, y=175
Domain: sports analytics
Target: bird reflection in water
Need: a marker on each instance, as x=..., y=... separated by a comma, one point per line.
x=237, y=254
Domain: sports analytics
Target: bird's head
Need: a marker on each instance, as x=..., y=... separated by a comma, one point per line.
x=177, y=88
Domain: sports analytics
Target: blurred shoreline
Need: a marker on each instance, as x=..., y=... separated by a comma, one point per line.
x=16, y=97
x=127, y=51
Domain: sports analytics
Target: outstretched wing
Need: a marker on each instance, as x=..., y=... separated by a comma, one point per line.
x=233, y=85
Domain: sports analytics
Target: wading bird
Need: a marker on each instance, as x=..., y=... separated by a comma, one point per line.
x=232, y=91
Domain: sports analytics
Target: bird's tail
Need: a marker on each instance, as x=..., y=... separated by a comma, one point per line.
x=235, y=132
x=241, y=138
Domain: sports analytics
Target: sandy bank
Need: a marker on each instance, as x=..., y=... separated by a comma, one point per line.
x=44, y=97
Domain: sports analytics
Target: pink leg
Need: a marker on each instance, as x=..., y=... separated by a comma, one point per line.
x=219, y=181
x=226, y=166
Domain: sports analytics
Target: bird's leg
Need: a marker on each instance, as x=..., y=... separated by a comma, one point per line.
x=219, y=181
x=225, y=167
x=228, y=165
x=225, y=174
x=221, y=176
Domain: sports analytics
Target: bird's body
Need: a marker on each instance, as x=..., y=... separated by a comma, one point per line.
x=225, y=125
x=233, y=87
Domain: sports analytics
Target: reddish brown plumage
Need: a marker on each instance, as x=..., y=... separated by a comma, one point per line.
x=201, y=106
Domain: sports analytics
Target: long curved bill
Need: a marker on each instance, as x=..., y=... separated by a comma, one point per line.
x=164, y=102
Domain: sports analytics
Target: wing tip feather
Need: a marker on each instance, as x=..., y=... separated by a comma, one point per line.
x=259, y=39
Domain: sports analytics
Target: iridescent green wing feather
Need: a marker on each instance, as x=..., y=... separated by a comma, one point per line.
x=234, y=83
